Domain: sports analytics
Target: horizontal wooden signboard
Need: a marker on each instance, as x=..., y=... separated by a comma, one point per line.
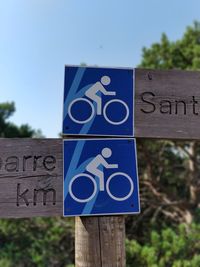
x=167, y=104
x=31, y=177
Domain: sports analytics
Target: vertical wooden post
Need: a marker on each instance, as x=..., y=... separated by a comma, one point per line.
x=100, y=241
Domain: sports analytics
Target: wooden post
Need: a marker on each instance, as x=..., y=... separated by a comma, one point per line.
x=100, y=241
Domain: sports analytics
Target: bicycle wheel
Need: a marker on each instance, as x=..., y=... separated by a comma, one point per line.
x=105, y=111
x=80, y=100
x=82, y=200
x=108, y=184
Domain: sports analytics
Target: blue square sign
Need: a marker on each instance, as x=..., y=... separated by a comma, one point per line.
x=100, y=177
x=98, y=101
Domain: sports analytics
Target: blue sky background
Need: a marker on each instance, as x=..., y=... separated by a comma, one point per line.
x=38, y=37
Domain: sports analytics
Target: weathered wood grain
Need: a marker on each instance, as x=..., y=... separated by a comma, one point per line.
x=167, y=104
x=87, y=242
x=100, y=241
x=31, y=182
x=112, y=238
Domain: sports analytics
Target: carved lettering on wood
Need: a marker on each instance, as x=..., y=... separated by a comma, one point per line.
x=167, y=104
x=31, y=177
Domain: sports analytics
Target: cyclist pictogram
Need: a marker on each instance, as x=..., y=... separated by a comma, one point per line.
x=100, y=177
x=98, y=101
x=92, y=96
x=93, y=169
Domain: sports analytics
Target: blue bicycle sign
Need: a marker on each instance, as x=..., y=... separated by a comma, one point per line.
x=100, y=177
x=98, y=101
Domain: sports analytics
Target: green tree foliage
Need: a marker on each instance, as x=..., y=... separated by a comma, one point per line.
x=167, y=248
x=169, y=177
x=8, y=129
x=181, y=54
x=37, y=242
x=167, y=230
x=32, y=242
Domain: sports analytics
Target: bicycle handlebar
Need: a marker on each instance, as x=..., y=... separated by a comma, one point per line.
x=113, y=166
x=111, y=93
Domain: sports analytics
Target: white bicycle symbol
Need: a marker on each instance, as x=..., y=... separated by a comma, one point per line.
x=92, y=113
x=92, y=94
x=91, y=178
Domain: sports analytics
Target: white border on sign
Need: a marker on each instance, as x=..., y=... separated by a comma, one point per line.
x=102, y=67
x=99, y=214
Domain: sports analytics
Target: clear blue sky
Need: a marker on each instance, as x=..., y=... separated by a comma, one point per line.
x=38, y=37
